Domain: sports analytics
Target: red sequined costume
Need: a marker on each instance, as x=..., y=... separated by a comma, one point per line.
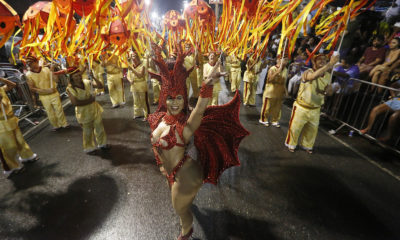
x=220, y=133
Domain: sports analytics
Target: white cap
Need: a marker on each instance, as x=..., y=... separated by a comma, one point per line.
x=397, y=25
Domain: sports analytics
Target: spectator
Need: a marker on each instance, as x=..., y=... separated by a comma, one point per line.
x=344, y=72
x=380, y=73
x=299, y=66
x=372, y=55
x=393, y=107
x=393, y=13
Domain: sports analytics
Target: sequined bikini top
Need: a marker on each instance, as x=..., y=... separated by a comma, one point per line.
x=170, y=138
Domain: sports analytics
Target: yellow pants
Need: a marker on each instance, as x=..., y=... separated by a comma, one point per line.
x=249, y=93
x=156, y=90
x=91, y=131
x=271, y=109
x=54, y=109
x=199, y=73
x=116, y=89
x=100, y=90
x=228, y=70
x=235, y=79
x=13, y=144
x=214, y=100
x=188, y=181
x=304, y=124
x=140, y=104
x=192, y=80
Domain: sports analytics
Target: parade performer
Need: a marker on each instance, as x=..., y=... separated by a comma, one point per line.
x=250, y=80
x=228, y=68
x=173, y=128
x=87, y=110
x=115, y=82
x=199, y=69
x=207, y=70
x=315, y=84
x=43, y=81
x=275, y=89
x=151, y=66
x=136, y=76
x=98, y=72
x=191, y=62
x=235, y=72
x=12, y=143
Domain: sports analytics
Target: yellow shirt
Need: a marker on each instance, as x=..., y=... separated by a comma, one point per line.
x=41, y=79
x=12, y=122
x=311, y=92
x=234, y=62
x=188, y=63
x=87, y=113
x=98, y=71
x=207, y=69
x=139, y=83
x=275, y=88
x=113, y=68
x=250, y=75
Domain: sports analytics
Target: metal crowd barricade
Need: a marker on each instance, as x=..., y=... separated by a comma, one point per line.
x=20, y=97
x=351, y=106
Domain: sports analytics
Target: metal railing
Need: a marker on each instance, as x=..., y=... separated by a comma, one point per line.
x=23, y=103
x=352, y=103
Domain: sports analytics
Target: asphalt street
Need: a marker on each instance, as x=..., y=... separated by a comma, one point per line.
x=331, y=194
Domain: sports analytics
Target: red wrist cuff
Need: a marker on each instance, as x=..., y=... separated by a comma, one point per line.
x=206, y=90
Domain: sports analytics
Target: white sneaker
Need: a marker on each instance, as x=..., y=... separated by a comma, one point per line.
x=11, y=172
x=31, y=159
x=90, y=150
x=266, y=123
x=276, y=124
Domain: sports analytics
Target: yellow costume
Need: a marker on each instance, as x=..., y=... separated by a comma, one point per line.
x=98, y=71
x=139, y=92
x=306, y=112
x=207, y=68
x=12, y=142
x=235, y=72
x=273, y=95
x=228, y=68
x=250, y=80
x=199, y=71
x=115, y=83
x=151, y=67
x=51, y=102
x=190, y=62
x=89, y=117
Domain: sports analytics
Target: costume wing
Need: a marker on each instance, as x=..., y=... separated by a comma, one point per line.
x=218, y=137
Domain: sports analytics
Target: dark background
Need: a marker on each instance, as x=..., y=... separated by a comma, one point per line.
x=160, y=6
